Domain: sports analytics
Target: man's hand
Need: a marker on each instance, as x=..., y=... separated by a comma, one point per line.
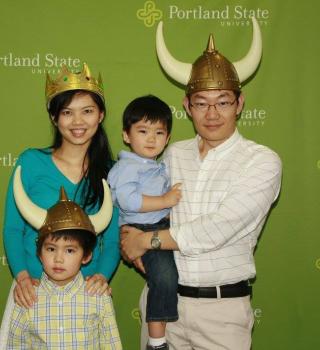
x=172, y=197
x=132, y=242
x=139, y=265
x=97, y=284
x=24, y=293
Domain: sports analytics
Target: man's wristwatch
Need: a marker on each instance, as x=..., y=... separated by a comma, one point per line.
x=155, y=240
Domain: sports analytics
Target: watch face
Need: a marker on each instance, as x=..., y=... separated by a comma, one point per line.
x=155, y=243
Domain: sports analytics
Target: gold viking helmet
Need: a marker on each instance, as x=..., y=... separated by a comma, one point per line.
x=64, y=215
x=211, y=71
x=67, y=81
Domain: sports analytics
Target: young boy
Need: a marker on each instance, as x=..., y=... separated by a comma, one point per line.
x=65, y=316
x=140, y=188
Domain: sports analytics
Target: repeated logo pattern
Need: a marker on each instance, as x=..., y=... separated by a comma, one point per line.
x=8, y=159
x=149, y=14
x=135, y=313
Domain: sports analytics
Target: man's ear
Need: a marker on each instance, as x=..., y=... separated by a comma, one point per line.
x=86, y=259
x=125, y=137
x=186, y=106
x=240, y=103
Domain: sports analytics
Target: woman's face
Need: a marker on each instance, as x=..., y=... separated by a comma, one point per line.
x=78, y=121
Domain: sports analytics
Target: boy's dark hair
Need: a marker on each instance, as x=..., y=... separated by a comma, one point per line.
x=87, y=240
x=149, y=108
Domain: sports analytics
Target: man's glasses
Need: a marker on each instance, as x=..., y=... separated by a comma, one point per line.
x=220, y=107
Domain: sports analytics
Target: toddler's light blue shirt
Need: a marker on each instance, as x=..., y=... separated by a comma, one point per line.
x=130, y=178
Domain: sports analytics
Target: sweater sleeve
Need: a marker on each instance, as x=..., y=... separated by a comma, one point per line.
x=110, y=252
x=14, y=224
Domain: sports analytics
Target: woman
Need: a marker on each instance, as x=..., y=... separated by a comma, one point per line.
x=77, y=160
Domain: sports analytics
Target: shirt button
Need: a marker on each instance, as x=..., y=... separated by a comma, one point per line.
x=61, y=329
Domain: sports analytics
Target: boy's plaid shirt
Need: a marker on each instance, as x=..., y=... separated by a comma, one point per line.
x=65, y=318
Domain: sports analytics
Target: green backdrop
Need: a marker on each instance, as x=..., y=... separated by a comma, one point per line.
x=117, y=38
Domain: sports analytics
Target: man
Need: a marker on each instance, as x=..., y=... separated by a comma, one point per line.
x=228, y=186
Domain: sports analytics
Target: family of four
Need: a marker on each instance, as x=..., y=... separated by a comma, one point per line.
x=189, y=222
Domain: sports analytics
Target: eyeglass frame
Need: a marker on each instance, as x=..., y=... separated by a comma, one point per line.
x=212, y=105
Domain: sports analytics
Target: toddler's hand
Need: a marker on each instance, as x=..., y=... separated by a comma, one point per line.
x=173, y=196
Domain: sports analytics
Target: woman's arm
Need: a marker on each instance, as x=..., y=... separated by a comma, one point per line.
x=14, y=227
x=108, y=259
x=107, y=254
x=110, y=252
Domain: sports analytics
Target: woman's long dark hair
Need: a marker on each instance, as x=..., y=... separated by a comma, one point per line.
x=99, y=152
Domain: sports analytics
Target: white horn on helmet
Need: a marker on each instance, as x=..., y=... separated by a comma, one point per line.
x=218, y=72
x=247, y=65
x=177, y=70
x=101, y=219
x=33, y=214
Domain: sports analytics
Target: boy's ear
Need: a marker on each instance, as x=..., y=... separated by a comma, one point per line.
x=125, y=137
x=86, y=259
x=168, y=138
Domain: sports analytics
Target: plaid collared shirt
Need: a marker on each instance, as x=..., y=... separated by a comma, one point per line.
x=65, y=318
x=225, y=201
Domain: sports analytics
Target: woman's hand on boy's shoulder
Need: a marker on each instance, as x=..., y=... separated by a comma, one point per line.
x=97, y=284
x=24, y=293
